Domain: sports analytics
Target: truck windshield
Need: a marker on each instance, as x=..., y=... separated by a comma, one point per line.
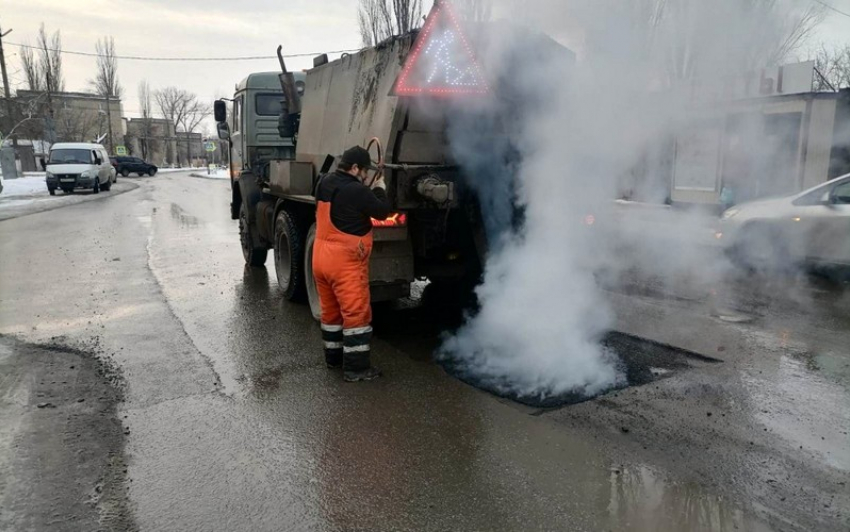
x=70, y=156
x=269, y=104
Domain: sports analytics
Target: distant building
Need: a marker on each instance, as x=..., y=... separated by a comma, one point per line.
x=152, y=139
x=753, y=136
x=190, y=147
x=77, y=117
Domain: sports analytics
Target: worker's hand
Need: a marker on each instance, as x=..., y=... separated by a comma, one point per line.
x=380, y=183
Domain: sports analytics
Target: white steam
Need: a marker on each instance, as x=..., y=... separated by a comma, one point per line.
x=574, y=133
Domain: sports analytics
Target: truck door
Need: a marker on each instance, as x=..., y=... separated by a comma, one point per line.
x=237, y=137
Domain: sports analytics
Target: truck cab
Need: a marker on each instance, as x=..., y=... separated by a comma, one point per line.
x=252, y=127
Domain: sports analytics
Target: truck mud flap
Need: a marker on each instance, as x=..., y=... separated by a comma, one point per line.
x=251, y=195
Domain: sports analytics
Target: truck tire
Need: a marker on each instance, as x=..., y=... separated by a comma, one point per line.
x=125, y=172
x=289, y=255
x=108, y=185
x=255, y=256
x=309, y=280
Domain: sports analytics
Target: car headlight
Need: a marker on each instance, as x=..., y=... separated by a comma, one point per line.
x=49, y=175
x=730, y=213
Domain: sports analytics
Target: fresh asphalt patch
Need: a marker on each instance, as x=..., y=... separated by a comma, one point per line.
x=639, y=361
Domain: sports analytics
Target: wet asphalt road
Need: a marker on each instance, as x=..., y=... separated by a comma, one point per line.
x=231, y=421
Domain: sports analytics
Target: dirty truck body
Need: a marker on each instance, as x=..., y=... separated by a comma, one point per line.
x=435, y=232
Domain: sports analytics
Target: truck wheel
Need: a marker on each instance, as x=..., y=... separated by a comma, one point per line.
x=309, y=280
x=107, y=186
x=96, y=187
x=254, y=256
x=125, y=172
x=289, y=256
x=52, y=190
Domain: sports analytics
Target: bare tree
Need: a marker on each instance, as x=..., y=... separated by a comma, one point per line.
x=370, y=17
x=833, y=67
x=195, y=113
x=42, y=67
x=147, y=143
x=476, y=10
x=735, y=35
x=381, y=19
x=50, y=61
x=170, y=102
x=77, y=124
x=32, y=70
x=182, y=109
x=106, y=82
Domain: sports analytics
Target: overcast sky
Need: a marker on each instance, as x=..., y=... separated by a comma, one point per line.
x=206, y=28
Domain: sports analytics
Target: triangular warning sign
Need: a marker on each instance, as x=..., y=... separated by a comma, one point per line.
x=441, y=62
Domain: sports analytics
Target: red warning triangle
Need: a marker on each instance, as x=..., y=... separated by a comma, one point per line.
x=442, y=62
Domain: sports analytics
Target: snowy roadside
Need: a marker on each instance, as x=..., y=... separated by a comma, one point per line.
x=30, y=185
x=174, y=170
x=215, y=174
x=28, y=195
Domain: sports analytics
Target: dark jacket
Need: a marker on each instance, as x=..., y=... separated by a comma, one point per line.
x=353, y=204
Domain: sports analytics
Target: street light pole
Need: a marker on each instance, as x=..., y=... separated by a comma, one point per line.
x=7, y=93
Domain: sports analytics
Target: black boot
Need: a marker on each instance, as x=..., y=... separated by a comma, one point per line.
x=332, y=338
x=356, y=359
x=369, y=374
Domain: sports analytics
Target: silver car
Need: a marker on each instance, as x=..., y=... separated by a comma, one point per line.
x=811, y=227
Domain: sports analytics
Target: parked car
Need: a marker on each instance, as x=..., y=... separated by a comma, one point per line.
x=133, y=165
x=70, y=166
x=812, y=227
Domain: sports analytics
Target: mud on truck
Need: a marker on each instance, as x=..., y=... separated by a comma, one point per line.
x=287, y=129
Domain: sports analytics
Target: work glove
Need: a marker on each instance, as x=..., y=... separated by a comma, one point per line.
x=380, y=182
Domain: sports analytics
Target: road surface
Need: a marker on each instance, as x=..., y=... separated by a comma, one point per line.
x=148, y=381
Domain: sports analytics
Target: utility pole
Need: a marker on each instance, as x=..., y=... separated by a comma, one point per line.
x=109, y=124
x=7, y=93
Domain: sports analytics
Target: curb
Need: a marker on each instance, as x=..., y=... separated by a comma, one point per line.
x=45, y=206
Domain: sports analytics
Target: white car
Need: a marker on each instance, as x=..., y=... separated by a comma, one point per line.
x=810, y=227
x=73, y=165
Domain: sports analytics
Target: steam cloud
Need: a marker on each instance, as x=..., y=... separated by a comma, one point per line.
x=564, y=137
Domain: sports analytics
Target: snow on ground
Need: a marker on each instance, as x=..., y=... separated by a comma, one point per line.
x=218, y=173
x=32, y=184
x=172, y=170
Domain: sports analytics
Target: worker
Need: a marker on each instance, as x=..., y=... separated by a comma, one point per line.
x=347, y=201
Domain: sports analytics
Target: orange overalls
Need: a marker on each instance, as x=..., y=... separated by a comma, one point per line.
x=341, y=270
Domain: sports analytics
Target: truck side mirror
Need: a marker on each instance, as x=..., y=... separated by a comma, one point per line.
x=223, y=130
x=220, y=111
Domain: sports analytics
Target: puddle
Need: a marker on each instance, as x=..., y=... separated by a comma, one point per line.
x=641, y=361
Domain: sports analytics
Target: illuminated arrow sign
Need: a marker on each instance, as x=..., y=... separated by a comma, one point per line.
x=442, y=62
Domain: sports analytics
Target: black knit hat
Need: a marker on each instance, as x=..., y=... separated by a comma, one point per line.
x=358, y=156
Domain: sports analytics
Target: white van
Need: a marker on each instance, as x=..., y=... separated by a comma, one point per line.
x=73, y=165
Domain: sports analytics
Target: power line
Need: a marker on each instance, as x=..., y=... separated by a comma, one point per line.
x=185, y=59
x=828, y=6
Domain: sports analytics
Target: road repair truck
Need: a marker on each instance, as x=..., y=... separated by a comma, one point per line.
x=287, y=129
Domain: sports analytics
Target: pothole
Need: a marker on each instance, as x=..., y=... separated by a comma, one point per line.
x=641, y=361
